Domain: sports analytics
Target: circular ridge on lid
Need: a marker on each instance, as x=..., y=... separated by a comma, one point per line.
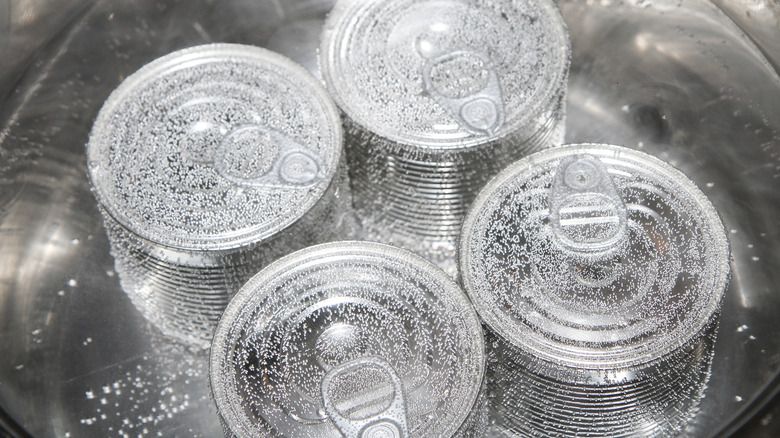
x=627, y=306
x=173, y=153
x=411, y=71
x=331, y=304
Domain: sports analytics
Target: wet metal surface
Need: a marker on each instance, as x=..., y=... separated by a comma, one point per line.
x=678, y=81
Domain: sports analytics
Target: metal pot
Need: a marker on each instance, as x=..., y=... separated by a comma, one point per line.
x=694, y=83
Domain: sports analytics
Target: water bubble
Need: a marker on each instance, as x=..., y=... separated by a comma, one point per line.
x=436, y=122
x=72, y=282
x=184, y=235
x=128, y=401
x=562, y=297
x=346, y=350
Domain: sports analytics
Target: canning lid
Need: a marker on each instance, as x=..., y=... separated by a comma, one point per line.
x=594, y=256
x=351, y=338
x=214, y=147
x=442, y=74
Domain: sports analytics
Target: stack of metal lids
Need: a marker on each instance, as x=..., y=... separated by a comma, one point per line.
x=599, y=272
x=350, y=339
x=199, y=160
x=439, y=95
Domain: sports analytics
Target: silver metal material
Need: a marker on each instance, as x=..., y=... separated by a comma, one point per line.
x=293, y=166
x=587, y=214
x=694, y=83
x=199, y=160
x=601, y=272
x=481, y=110
x=435, y=105
x=390, y=423
x=350, y=339
x=177, y=146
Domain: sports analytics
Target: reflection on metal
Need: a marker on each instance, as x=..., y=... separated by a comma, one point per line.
x=600, y=273
x=480, y=109
x=698, y=94
x=349, y=416
x=587, y=213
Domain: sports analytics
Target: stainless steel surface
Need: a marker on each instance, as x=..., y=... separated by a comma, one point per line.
x=680, y=80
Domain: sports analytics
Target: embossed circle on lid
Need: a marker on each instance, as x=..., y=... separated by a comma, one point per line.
x=594, y=256
x=214, y=147
x=342, y=336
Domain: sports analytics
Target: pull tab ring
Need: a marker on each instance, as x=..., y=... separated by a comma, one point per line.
x=480, y=111
x=364, y=399
x=294, y=165
x=588, y=215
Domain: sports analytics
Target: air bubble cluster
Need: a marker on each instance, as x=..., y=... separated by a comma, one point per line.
x=199, y=160
x=341, y=336
x=438, y=100
x=612, y=337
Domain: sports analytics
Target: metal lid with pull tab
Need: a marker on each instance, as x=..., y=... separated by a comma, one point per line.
x=481, y=109
x=444, y=74
x=350, y=339
x=594, y=257
x=214, y=147
x=587, y=214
